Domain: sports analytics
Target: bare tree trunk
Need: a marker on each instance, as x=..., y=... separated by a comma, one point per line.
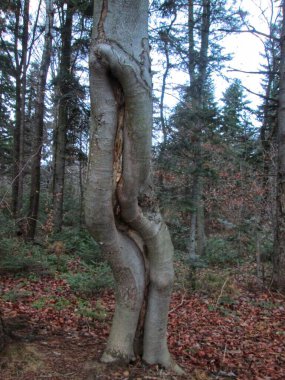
x=19, y=131
x=197, y=227
x=62, y=119
x=165, y=38
x=279, y=243
x=2, y=334
x=161, y=105
x=16, y=149
x=120, y=208
x=39, y=124
x=201, y=235
x=197, y=68
x=81, y=186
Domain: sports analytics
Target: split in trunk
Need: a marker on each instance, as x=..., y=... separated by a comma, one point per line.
x=120, y=207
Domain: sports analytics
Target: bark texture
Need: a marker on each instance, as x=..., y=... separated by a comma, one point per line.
x=279, y=246
x=64, y=94
x=20, y=56
x=120, y=208
x=2, y=335
x=197, y=70
x=39, y=124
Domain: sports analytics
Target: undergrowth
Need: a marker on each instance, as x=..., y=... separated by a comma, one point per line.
x=72, y=254
x=76, y=257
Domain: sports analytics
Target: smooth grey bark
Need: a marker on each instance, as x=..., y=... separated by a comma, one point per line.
x=120, y=208
x=279, y=242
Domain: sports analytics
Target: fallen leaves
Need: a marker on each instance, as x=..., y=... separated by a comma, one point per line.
x=242, y=339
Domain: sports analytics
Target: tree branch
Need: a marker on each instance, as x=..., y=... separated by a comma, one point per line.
x=253, y=72
x=252, y=30
x=259, y=95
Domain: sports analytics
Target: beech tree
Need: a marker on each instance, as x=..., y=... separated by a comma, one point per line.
x=121, y=210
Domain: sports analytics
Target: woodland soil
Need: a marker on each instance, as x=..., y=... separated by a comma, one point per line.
x=237, y=333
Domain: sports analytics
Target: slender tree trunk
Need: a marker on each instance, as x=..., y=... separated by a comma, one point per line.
x=39, y=124
x=62, y=119
x=81, y=212
x=22, y=135
x=268, y=129
x=197, y=227
x=266, y=136
x=19, y=132
x=197, y=68
x=16, y=149
x=201, y=235
x=2, y=334
x=165, y=38
x=279, y=246
x=193, y=226
x=120, y=208
x=161, y=105
x=193, y=220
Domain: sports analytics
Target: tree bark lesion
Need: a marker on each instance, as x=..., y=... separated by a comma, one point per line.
x=118, y=145
x=126, y=295
x=121, y=209
x=103, y=15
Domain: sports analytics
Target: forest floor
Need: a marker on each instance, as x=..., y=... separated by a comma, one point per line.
x=237, y=332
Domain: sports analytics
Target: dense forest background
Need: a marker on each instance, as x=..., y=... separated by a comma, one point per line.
x=214, y=159
x=217, y=162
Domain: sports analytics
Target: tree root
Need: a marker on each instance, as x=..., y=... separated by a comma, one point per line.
x=112, y=358
x=169, y=364
x=120, y=359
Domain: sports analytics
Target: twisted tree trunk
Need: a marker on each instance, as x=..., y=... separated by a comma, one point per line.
x=120, y=208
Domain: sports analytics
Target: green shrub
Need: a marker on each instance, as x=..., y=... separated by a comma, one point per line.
x=7, y=224
x=85, y=309
x=58, y=303
x=57, y=263
x=91, y=281
x=15, y=295
x=266, y=250
x=79, y=243
x=16, y=256
x=39, y=303
x=216, y=284
x=221, y=252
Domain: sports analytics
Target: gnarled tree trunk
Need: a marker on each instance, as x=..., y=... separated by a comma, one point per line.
x=120, y=208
